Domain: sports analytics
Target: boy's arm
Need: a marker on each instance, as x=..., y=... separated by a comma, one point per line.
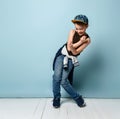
x=71, y=47
x=82, y=40
x=81, y=48
x=70, y=40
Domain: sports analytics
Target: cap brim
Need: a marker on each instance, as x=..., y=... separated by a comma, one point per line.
x=74, y=21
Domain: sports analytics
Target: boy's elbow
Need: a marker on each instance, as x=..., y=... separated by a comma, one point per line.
x=88, y=41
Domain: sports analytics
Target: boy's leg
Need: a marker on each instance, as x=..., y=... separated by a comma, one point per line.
x=68, y=87
x=56, y=80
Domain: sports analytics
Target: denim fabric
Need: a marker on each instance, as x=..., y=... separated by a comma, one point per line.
x=80, y=18
x=70, y=77
x=56, y=55
x=60, y=77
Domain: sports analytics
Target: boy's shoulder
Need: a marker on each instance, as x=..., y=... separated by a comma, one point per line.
x=86, y=34
x=72, y=31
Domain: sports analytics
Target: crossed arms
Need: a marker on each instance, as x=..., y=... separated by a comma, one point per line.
x=78, y=47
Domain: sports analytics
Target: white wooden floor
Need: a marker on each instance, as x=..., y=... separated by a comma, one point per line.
x=41, y=108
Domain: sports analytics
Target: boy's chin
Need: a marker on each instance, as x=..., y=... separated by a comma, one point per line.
x=80, y=34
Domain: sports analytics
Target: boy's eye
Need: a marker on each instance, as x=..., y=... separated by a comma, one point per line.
x=78, y=28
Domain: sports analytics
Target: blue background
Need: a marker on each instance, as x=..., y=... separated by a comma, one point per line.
x=31, y=31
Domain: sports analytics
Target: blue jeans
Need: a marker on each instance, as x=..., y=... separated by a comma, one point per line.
x=60, y=77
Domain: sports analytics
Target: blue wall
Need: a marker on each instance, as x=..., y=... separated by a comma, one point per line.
x=31, y=31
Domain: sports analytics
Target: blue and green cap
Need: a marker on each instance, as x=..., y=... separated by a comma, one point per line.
x=80, y=18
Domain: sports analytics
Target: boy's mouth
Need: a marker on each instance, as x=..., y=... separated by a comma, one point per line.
x=80, y=34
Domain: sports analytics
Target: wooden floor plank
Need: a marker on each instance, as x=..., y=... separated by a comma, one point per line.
x=76, y=112
x=108, y=108
x=41, y=108
x=17, y=108
x=50, y=112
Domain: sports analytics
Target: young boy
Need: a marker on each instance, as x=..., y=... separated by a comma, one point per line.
x=66, y=59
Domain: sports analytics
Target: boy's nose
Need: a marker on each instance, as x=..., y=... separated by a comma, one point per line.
x=79, y=31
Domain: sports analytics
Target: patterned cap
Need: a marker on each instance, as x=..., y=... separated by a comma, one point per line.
x=81, y=18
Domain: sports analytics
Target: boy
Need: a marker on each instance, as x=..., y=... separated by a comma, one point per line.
x=66, y=59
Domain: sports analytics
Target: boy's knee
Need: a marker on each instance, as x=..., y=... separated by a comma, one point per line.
x=57, y=77
x=64, y=83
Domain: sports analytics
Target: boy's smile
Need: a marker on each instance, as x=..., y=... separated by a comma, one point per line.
x=80, y=28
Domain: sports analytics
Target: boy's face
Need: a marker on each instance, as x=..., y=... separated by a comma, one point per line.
x=80, y=28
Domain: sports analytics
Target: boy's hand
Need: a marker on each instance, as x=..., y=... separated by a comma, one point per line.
x=71, y=46
x=72, y=49
x=83, y=39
